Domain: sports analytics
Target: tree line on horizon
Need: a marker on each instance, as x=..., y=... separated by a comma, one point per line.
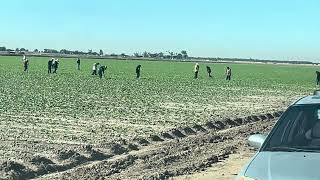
x=169, y=55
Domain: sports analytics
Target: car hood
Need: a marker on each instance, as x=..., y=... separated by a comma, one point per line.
x=284, y=166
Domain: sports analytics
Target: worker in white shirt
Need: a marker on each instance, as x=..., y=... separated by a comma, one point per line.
x=94, y=68
x=196, y=70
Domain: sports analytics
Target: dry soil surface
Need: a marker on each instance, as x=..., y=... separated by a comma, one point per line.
x=215, y=154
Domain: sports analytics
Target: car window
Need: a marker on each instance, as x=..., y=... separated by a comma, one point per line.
x=298, y=128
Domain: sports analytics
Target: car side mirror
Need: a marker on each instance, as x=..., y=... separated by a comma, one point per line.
x=256, y=140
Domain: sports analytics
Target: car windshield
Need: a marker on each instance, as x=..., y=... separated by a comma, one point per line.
x=297, y=130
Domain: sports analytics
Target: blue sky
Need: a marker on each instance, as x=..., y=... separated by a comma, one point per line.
x=273, y=29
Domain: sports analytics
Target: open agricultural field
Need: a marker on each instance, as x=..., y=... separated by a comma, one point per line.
x=48, y=118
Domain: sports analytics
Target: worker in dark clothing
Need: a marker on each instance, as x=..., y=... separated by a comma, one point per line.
x=101, y=71
x=78, y=63
x=138, y=68
x=318, y=77
x=55, y=65
x=50, y=62
x=196, y=70
x=228, y=73
x=209, y=71
x=25, y=65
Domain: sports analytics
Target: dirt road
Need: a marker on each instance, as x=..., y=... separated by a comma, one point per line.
x=223, y=170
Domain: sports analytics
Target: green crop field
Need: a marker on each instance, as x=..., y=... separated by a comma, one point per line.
x=40, y=110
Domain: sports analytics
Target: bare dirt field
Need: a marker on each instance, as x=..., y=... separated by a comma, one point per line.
x=206, y=154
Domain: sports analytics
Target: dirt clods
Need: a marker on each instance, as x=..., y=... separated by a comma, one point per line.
x=262, y=117
x=133, y=147
x=177, y=133
x=189, y=131
x=39, y=160
x=167, y=135
x=97, y=155
x=118, y=149
x=269, y=116
x=143, y=142
x=255, y=118
x=231, y=122
x=210, y=125
x=219, y=124
x=15, y=170
x=65, y=154
x=239, y=120
x=156, y=138
x=199, y=128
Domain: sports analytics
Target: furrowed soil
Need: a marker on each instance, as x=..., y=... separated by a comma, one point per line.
x=190, y=155
x=56, y=123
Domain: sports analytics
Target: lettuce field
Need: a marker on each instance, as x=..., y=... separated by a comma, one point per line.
x=45, y=114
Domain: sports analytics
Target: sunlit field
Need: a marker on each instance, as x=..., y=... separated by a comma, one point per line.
x=41, y=112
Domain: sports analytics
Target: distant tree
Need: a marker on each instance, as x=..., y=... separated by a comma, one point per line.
x=171, y=54
x=90, y=51
x=153, y=55
x=179, y=56
x=63, y=51
x=50, y=51
x=184, y=54
x=136, y=54
x=17, y=49
x=101, y=52
x=145, y=54
x=36, y=50
x=23, y=49
x=3, y=48
x=123, y=55
x=161, y=55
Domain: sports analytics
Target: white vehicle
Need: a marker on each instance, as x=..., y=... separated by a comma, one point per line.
x=291, y=151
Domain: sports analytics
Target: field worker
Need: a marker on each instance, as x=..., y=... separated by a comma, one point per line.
x=94, y=68
x=101, y=71
x=196, y=70
x=138, y=69
x=50, y=63
x=25, y=64
x=78, y=63
x=228, y=73
x=318, y=77
x=55, y=65
x=209, y=71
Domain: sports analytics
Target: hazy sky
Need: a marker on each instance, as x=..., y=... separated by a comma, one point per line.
x=272, y=29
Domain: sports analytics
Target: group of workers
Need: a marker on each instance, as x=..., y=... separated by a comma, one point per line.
x=98, y=69
x=209, y=71
x=53, y=64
